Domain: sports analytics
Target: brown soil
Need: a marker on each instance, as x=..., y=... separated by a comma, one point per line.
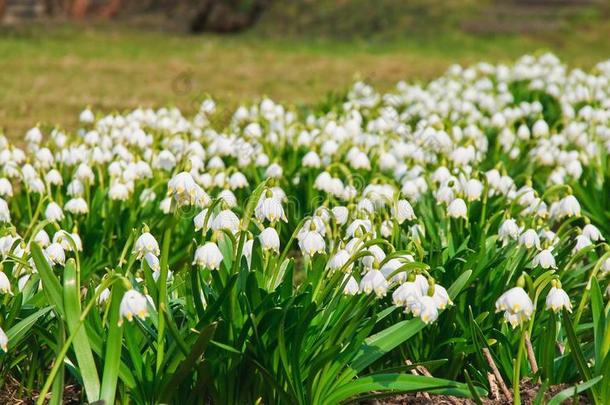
x=528, y=394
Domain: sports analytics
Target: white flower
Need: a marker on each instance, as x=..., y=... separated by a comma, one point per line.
x=3, y=340
x=53, y=212
x=133, y=304
x=473, y=190
x=152, y=261
x=544, y=259
x=270, y=240
x=209, y=256
x=86, y=116
x=540, y=129
x=226, y=219
x=592, y=233
x=274, y=171
x=76, y=206
x=557, y=299
x=569, y=206
x=6, y=188
x=427, y=309
x=406, y=294
x=311, y=243
x=311, y=159
x=403, y=211
x=185, y=191
x=582, y=241
x=374, y=281
x=457, y=209
x=376, y=256
x=441, y=297
x=103, y=297
x=340, y=214
x=68, y=241
x=118, y=192
x=5, y=215
x=508, y=230
x=351, y=288
x=5, y=284
x=146, y=243
x=515, y=302
x=340, y=259
x=271, y=209
x=530, y=239
x=199, y=221
x=42, y=238
x=55, y=254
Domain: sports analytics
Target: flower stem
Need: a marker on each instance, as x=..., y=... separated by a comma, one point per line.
x=517, y=369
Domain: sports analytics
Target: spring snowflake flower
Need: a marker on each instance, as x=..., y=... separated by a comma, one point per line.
x=557, y=299
x=473, y=190
x=152, y=261
x=133, y=304
x=441, y=297
x=185, y=191
x=569, y=207
x=199, y=220
x=311, y=242
x=374, y=281
x=406, y=294
x=311, y=159
x=76, y=206
x=508, y=230
x=517, y=305
x=425, y=308
x=146, y=243
x=403, y=211
x=5, y=215
x=6, y=189
x=340, y=214
x=208, y=256
x=274, y=171
x=457, y=209
x=53, y=212
x=582, y=242
x=544, y=259
x=269, y=208
x=351, y=287
x=226, y=219
x=55, y=254
x=3, y=341
x=530, y=239
x=42, y=238
x=592, y=233
x=5, y=284
x=270, y=240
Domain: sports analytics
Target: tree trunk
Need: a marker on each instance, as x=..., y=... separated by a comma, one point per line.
x=79, y=8
x=224, y=16
x=111, y=9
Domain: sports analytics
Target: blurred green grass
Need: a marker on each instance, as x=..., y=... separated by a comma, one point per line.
x=49, y=73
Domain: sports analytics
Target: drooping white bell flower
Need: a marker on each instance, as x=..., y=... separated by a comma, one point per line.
x=311, y=243
x=582, y=242
x=441, y=297
x=55, y=254
x=351, y=287
x=270, y=240
x=42, y=238
x=340, y=259
x=406, y=294
x=152, y=261
x=427, y=309
x=517, y=304
x=208, y=256
x=3, y=341
x=133, y=304
x=403, y=211
x=557, y=299
x=226, y=219
x=76, y=206
x=5, y=215
x=374, y=281
x=146, y=243
x=270, y=208
x=569, y=206
x=53, y=212
x=457, y=209
x=530, y=239
x=508, y=230
x=340, y=214
x=5, y=284
x=544, y=259
x=592, y=233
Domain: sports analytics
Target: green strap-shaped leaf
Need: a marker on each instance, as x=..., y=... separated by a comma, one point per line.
x=50, y=283
x=570, y=392
x=114, y=345
x=397, y=383
x=82, y=348
x=18, y=331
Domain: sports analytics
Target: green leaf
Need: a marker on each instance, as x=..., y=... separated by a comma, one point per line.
x=577, y=354
x=570, y=392
x=82, y=348
x=114, y=345
x=397, y=383
x=51, y=286
x=18, y=331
